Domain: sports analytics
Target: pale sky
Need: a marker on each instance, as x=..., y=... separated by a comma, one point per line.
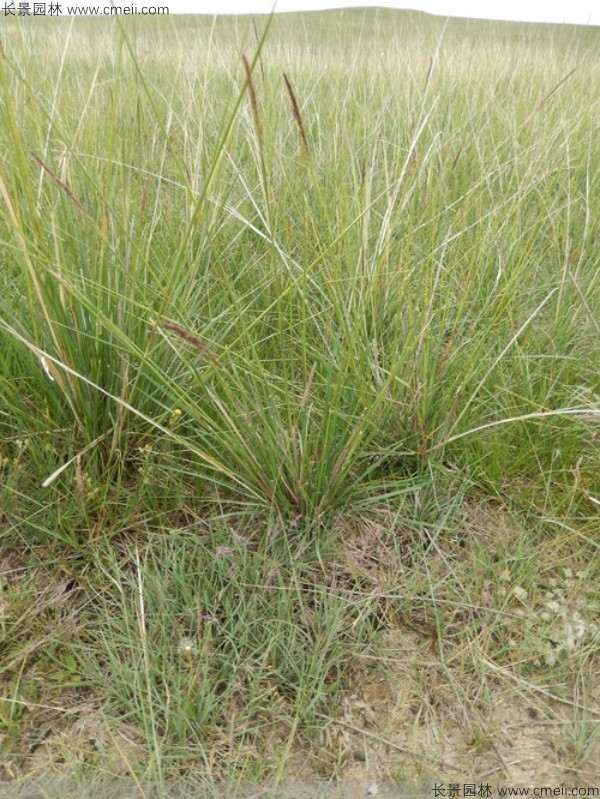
x=581, y=12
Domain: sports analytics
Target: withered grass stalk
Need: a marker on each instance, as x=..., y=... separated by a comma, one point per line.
x=296, y=111
x=192, y=339
x=253, y=99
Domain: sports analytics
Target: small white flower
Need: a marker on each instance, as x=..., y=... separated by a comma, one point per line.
x=187, y=648
x=46, y=369
x=553, y=606
x=550, y=655
x=520, y=593
x=568, y=574
x=575, y=628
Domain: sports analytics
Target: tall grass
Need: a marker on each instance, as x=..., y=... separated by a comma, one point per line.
x=305, y=287
x=299, y=395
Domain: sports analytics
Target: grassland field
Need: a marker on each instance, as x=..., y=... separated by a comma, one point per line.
x=299, y=400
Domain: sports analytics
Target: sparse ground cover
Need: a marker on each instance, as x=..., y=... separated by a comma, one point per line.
x=300, y=390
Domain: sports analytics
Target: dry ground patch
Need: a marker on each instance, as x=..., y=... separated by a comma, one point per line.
x=486, y=669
